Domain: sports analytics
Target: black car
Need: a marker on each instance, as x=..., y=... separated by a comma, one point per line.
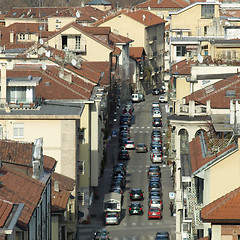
x=141, y=148
x=124, y=128
x=154, y=170
x=123, y=155
x=124, y=121
x=135, y=209
x=101, y=234
x=118, y=171
x=118, y=181
x=156, y=91
x=119, y=178
x=136, y=194
x=157, y=122
x=155, y=186
x=162, y=235
x=121, y=165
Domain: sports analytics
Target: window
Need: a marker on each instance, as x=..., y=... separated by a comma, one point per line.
x=16, y=94
x=207, y=11
x=81, y=167
x=81, y=198
x=78, y=41
x=21, y=36
x=18, y=130
x=181, y=51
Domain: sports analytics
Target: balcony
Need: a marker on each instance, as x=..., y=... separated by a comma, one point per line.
x=82, y=48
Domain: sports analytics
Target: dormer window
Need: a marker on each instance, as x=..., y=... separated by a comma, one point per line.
x=21, y=36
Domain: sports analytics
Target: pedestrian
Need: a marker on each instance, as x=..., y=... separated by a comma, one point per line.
x=171, y=208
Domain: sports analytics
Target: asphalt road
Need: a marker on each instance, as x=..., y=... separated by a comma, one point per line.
x=135, y=227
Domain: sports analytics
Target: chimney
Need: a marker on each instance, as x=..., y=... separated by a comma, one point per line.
x=11, y=36
x=3, y=83
x=37, y=159
x=56, y=186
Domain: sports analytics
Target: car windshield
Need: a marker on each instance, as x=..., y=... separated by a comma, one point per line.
x=154, y=210
x=136, y=191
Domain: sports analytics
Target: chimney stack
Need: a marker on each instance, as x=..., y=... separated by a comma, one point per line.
x=37, y=158
x=3, y=82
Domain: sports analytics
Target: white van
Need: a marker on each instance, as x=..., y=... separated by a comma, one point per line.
x=135, y=97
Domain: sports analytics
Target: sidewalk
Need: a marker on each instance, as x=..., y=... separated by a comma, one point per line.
x=96, y=212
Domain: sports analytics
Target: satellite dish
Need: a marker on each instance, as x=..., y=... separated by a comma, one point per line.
x=74, y=62
x=40, y=41
x=200, y=58
x=149, y=9
x=44, y=66
x=78, y=14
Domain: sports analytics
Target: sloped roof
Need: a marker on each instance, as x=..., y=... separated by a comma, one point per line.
x=60, y=198
x=145, y=17
x=5, y=210
x=178, y=4
x=103, y=67
x=16, y=28
x=183, y=67
x=89, y=31
x=87, y=13
x=20, y=153
x=136, y=53
x=52, y=86
x=116, y=38
x=223, y=210
x=32, y=12
x=196, y=154
x=17, y=187
x=217, y=93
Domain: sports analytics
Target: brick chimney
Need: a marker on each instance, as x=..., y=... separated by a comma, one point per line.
x=3, y=82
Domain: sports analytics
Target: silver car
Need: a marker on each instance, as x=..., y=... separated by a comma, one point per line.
x=156, y=157
x=112, y=218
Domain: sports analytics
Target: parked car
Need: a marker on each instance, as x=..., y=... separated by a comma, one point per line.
x=101, y=234
x=162, y=235
x=156, y=105
x=135, y=98
x=111, y=218
x=136, y=194
x=154, y=213
x=141, y=148
x=157, y=122
x=157, y=113
x=163, y=99
x=157, y=186
x=123, y=155
x=129, y=144
x=155, y=91
x=155, y=202
x=124, y=128
x=135, y=208
x=154, y=170
x=156, y=157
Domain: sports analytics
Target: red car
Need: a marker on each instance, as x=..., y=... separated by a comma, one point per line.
x=154, y=213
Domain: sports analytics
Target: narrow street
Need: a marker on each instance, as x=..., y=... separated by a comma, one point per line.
x=133, y=227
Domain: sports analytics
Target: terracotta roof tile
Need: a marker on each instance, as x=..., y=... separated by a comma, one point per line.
x=65, y=183
x=136, y=53
x=183, y=67
x=102, y=67
x=223, y=210
x=60, y=197
x=145, y=17
x=163, y=4
x=150, y=19
x=115, y=38
x=5, y=210
x=217, y=96
x=196, y=155
x=17, y=187
x=20, y=153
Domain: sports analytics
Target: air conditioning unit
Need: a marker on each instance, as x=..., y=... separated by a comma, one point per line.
x=58, y=20
x=58, y=26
